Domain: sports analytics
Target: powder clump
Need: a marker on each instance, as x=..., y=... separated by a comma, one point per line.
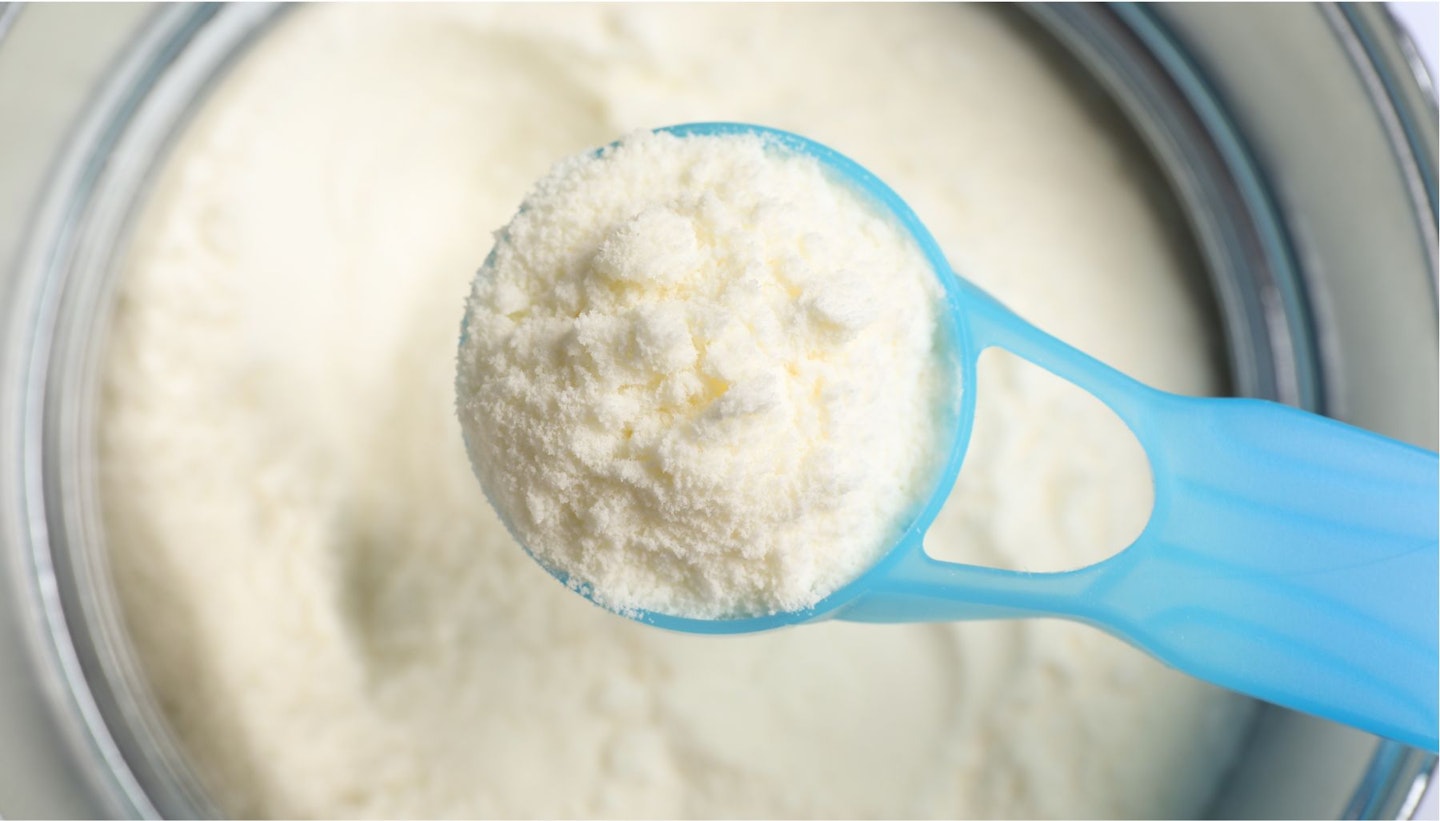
x=704, y=378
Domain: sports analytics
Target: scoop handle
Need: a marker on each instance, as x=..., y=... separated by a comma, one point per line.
x=1289, y=556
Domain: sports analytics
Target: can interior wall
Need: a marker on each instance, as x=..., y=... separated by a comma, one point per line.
x=1287, y=299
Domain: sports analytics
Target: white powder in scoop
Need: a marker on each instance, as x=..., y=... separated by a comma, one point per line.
x=702, y=377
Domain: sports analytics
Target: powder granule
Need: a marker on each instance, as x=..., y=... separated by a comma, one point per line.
x=701, y=377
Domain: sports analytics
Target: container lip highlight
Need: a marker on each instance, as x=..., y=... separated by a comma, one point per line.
x=1402, y=91
x=9, y=13
x=120, y=745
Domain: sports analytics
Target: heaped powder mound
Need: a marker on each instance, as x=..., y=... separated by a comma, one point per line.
x=704, y=377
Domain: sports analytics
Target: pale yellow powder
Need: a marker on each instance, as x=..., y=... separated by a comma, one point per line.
x=703, y=377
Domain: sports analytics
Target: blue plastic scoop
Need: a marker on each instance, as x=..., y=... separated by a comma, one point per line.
x=1288, y=556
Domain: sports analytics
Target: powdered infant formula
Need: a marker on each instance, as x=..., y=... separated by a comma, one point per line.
x=700, y=376
x=333, y=620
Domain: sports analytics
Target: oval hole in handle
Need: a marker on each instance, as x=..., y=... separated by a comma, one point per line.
x=1052, y=478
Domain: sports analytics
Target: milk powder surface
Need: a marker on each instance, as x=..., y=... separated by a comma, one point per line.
x=332, y=619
